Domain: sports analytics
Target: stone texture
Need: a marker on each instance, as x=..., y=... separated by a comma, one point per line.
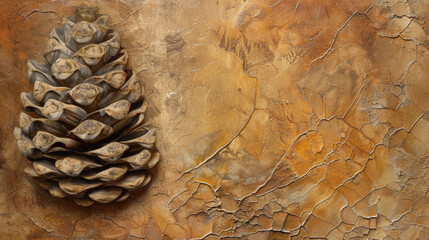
x=275, y=120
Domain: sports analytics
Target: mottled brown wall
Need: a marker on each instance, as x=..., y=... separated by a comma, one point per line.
x=276, y=119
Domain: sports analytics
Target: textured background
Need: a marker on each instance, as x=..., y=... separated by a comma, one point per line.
x=276, y=119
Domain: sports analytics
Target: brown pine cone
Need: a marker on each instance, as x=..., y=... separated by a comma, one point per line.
x=84, y=133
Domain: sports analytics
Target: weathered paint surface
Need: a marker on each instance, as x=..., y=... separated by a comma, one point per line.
x=276, y=119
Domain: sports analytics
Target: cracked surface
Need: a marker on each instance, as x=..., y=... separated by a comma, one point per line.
x=297, y=119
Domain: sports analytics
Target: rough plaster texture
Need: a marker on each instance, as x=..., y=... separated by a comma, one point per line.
x=275, y=119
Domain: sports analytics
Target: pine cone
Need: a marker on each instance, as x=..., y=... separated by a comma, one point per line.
x=84, y=134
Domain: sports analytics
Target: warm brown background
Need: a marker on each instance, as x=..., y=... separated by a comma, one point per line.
x=276, y=119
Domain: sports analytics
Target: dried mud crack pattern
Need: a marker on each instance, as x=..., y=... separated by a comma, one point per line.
x=276, y=119
x=84, y=134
